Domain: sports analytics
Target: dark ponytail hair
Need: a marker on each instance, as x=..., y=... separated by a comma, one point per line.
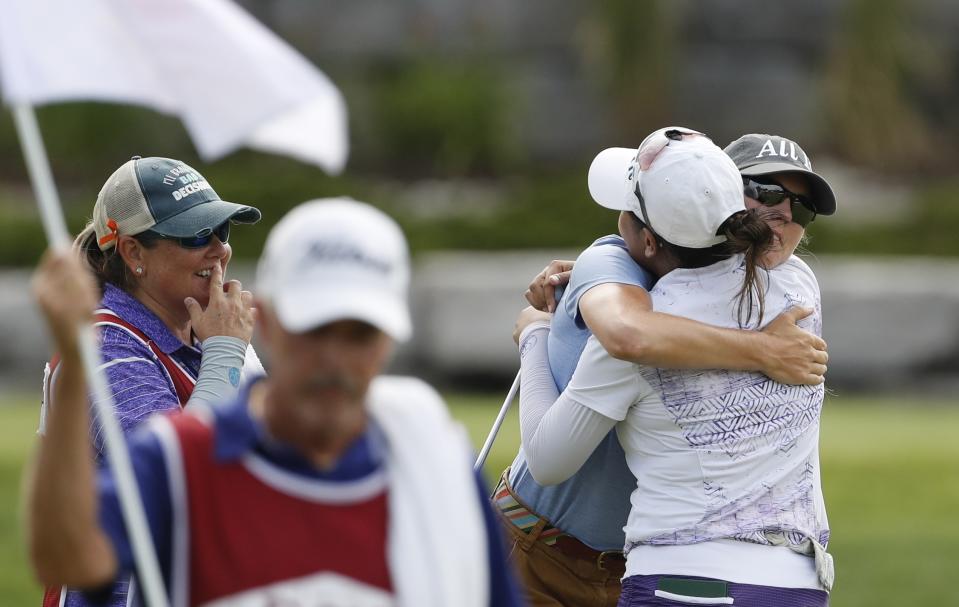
x=749, y=233
x=108, y=266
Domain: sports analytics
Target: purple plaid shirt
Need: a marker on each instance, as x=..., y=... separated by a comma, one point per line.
x=140, y=387
x=137, y=380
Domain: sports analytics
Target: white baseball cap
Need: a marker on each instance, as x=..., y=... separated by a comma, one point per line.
x=337, y=259
x=681, y=184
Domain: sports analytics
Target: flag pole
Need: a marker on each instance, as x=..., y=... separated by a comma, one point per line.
x=38, y=167
x=510, y=396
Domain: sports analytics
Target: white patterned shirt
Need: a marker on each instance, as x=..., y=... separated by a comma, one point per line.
x=717, y=455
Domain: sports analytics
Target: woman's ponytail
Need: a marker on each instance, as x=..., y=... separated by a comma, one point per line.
x=107, y=266
x=749, y=233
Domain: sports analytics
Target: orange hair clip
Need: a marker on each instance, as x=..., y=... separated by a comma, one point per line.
x=111, y=236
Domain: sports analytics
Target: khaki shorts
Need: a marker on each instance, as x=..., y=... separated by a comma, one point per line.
x=564, y=572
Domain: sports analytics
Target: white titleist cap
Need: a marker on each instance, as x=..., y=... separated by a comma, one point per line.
x=678, y=182
x=337, y=259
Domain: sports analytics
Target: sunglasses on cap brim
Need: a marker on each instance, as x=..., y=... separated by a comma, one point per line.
x=201, y=238
x=649, y=149
x=769, y=194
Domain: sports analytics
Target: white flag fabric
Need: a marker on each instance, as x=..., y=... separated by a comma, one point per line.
x=230, y=80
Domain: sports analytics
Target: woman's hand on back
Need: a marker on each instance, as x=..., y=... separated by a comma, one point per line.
x=794, y=356
x=541, y=293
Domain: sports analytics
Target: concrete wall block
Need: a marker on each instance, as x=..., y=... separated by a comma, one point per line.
x=890, y=323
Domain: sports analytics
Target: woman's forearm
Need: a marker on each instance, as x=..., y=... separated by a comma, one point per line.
x=220, y=370
x=557, y=434
x=622, y=319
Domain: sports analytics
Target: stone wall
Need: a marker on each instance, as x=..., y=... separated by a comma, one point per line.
x=892, y=325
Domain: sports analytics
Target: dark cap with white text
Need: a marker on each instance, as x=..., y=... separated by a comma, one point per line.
x=757, y=154
x=163, y=195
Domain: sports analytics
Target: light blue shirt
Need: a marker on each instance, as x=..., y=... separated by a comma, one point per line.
x=593, y=504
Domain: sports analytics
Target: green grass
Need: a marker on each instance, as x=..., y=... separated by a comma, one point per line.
x=890, y=475
x=18, y=422
x=891, y=481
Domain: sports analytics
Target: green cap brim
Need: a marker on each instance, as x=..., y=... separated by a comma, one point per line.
x=206, y=216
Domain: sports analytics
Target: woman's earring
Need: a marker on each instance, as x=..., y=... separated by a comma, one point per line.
x=139, y=271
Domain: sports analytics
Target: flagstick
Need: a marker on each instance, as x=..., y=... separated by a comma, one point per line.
x=39, y=170
x=496, y=425
x=147, y=566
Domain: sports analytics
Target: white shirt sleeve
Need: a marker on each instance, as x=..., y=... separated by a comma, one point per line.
x=218, y=380
x=605, y=384
x=558, y=434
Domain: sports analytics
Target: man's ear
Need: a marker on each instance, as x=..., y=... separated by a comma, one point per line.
x=131, y=251
x=650, y=246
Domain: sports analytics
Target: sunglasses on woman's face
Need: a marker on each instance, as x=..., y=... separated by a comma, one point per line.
x=203, y=237
x=769, y=194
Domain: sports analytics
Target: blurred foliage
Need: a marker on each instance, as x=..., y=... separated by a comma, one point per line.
x=540, y=210
x=631, y=49
x=543, y=211
x=416, y=115
x=883, y=79
x=930, y=228
x=21, y=239
x=442, y=117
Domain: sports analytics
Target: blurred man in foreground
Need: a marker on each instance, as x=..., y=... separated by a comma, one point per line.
x=321, y=481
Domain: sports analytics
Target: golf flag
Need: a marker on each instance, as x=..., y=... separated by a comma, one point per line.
x=226, y=77
x=229, y=79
